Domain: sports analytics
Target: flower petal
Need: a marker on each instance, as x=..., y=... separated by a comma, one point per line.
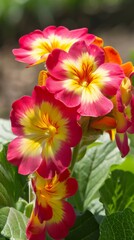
x=60, y=229
x=127, y=68
x=35, y=230
x=44, y=212
x=122, y=143
x=72, y=187
x=61, y=160
x=105, y=123
x=19, y=109
x=94, y=104
x=111, y=55
x=37, y=45
x=111, y=76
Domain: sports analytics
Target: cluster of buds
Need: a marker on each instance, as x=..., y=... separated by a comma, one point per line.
x=83, y=89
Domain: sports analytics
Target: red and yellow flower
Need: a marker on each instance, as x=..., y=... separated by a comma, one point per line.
x=46, y=130
x=37, y=45
x=51, y=212
x=81, y=78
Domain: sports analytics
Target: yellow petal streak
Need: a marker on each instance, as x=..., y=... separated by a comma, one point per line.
x=83, y=78
x=41, y=47
x=44, y=128
x=51, y=192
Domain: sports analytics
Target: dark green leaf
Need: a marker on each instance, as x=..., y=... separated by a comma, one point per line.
x=85, y=228
x=6, y=181
x=118, y=226
x=118, y=192
x=12, y=184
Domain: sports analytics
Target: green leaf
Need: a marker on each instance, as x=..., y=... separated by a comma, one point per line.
x=97, y=209
x=85, y=228
x=131, y=139
x=127, y=165
x=6, y=134
x=28, y=209
x=118, y=192
x=13, y=223
x=118, y=226
x=12, y=184
x=93, y=169
x=21, y=204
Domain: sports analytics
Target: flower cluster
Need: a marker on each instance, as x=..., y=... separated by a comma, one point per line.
x=83, y=88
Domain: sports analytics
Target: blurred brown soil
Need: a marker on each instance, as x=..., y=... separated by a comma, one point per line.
x=16, y=80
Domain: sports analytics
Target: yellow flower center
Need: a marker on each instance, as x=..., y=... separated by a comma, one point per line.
x=44, y=127
x=84, y=84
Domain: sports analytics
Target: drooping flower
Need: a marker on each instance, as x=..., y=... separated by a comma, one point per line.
x=124, y=110
x=36, y=46
x=46, y=130
x=52, y=213
x=120, y=121
x=81, y=78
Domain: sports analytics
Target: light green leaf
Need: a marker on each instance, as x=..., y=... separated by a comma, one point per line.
x=6, y=134
x=85, y=228
x=21, y=205
x=127, y=165
x=118, y=226
x=28, y=209
x=118, y=192
x=13, y=224
x=93, y=169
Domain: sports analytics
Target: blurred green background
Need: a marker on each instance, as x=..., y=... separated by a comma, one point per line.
x=111, y=19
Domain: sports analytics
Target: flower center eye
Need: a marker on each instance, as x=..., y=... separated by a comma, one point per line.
x=50, y=131
x=48, y=186
x=84, y=83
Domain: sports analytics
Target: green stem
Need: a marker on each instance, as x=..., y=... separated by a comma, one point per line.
x=31, y=195
x=74, y=157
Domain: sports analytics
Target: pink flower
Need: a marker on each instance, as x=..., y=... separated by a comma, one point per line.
x=46, y=130
x=36, y=46
x=52, y=213
x=81, y=78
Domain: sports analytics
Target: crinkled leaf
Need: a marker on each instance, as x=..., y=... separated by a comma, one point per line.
x=118, y=226
x=85, y=228
x=92, y=170
x=12, y=223
x=118, y=192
